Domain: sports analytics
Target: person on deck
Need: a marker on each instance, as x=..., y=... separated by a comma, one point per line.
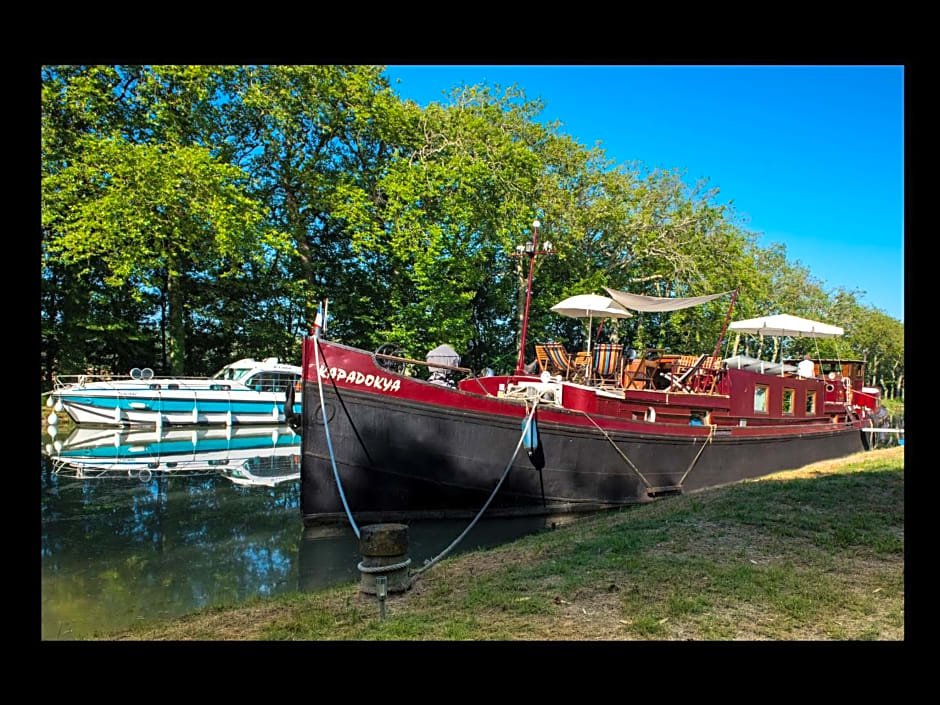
x=806, y=368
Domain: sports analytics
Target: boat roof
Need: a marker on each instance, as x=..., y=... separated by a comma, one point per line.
x=269, y=362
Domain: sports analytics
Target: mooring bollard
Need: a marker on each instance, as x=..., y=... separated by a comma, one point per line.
x=384, y=549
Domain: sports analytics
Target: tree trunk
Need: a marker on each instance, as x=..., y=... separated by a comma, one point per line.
x=176, y=333
x=163, y=354
x=737, y=340
x=296, y=225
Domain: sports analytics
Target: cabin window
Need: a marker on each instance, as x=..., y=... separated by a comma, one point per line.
x=230, y=373
x=810, y=402
x=272, y=381
x=788, y=401
x=761, y=392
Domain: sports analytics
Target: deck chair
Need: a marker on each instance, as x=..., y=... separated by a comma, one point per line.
x=707, y=376
x=608, y=364
x=554, y=359
x=688, y=366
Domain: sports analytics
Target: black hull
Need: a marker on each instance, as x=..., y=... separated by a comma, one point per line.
x=401, y=459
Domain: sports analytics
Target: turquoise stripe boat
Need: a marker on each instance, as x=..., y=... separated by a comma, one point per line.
x=247, y=391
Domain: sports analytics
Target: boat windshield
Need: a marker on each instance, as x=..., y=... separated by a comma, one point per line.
x=231, y=373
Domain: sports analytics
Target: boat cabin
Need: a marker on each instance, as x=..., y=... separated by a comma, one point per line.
x=853, y=370
x=845, y=382
x=262, y=376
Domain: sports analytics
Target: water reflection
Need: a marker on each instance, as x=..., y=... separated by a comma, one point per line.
x=246, y=455
x=140, y=526
x=889, y=440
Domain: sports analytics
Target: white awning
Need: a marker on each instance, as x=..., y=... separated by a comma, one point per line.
x=636, y=302
x=786, y=325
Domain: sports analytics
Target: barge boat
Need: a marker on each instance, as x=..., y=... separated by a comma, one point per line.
x=601, y=428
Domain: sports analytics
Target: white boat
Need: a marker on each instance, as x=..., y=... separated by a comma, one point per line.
x=255, y=455
x=245, y=392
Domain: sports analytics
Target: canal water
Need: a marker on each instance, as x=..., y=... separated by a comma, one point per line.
x=139, y=526
x=889, y=440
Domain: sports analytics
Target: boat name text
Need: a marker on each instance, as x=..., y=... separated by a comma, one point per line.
x=383, y=384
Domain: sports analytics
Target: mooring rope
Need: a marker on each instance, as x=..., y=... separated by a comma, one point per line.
x=480, y=384
x=622, y=454
x=460, y=538
x=708, y=440
x=711, y=434
x=329, y=442
x=363, y=568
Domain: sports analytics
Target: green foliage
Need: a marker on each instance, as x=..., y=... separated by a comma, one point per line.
x=191, y=214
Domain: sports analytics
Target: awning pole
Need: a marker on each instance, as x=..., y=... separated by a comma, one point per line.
x=725, y=326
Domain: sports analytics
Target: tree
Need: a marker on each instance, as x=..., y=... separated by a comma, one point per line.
x=211, y=207
x=154, y=214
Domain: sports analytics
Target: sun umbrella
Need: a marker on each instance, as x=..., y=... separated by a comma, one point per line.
x=588, y=306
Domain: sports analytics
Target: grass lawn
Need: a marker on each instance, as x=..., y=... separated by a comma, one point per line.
x=811, y=554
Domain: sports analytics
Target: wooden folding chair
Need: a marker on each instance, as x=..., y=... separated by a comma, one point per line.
x=708, y=375
x=553, y=358
x=688, y=367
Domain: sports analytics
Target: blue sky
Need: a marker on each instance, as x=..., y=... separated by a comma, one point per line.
x=813, y=156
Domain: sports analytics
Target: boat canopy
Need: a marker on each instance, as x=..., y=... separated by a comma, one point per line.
x=636, y=302
x=786, y=325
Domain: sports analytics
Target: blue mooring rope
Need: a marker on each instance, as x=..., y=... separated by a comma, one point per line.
x=326, y=427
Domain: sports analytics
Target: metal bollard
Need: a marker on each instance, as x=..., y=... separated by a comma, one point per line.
x=384, y=549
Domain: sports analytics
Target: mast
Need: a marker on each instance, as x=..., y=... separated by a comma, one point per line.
x=530, y=250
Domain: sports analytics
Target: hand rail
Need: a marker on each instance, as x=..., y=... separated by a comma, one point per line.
x=76, y=377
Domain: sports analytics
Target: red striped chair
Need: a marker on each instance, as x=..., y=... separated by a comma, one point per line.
x=608, y=364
